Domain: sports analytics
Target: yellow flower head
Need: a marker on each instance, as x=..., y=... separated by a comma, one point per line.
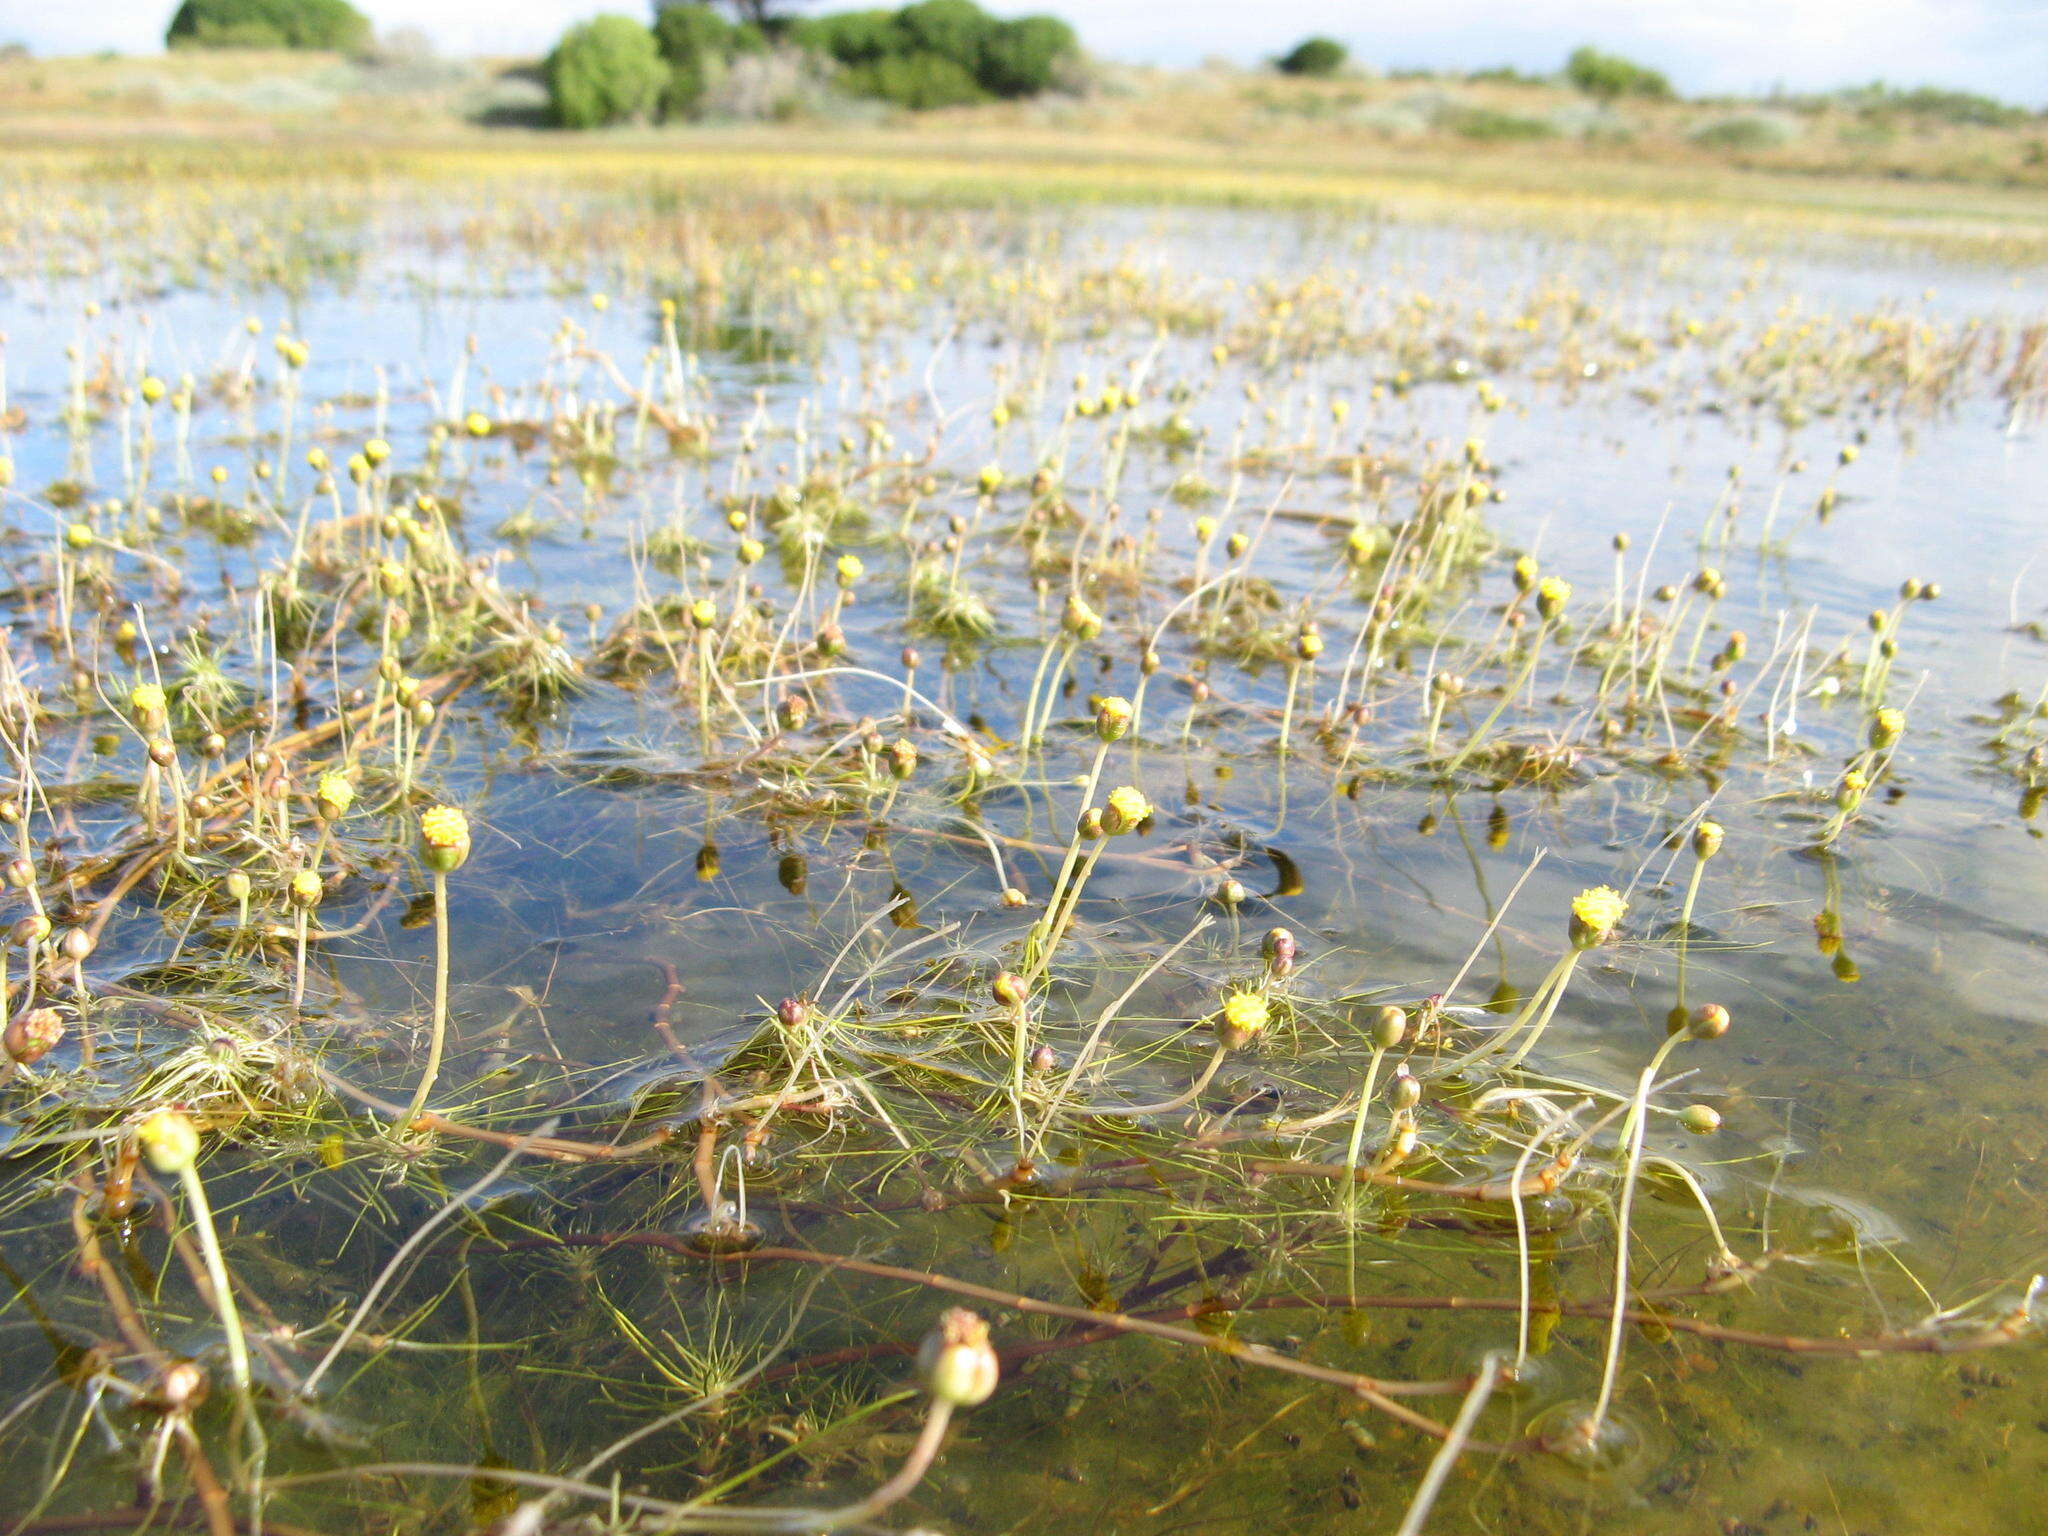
x=444, y=837
x=147, y=700
x=1886, y=726
x=1245, y=1014
x=1552, y=593
x=850, y=570
x=1596, y=913
x=1127, y=807
x=306, y=889
x=1525, y=573
x=335, y=794
x=477, y=424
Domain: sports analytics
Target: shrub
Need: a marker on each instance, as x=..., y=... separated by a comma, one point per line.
x=1022, y=57
x=330, y=24
x=1488, y=126
x=1608, y=76
x=1747, y=131
x=940, y=53
x=1317, y=57
x=605, y=70
x=919, y=81
x=1959, y=108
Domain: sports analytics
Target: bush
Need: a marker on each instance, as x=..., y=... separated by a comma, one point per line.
x=940, y=53
x=918, y=81
x=1747, y=131
x=1963, y=109
x=606, y=70
x=1487, y=126
x=1608, y=76
x=327, y=24
x=1022, y=57
x=1317, y=57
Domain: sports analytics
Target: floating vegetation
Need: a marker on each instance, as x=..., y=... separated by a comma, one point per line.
x=1226, y=931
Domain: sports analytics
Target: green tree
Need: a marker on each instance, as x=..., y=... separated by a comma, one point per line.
x=952, y=29
x=1316, y=57
x=326, y=24
x=1609, y=76
x=605, y=70
x=1021, y=57
x=696, y=42
x=852, y=37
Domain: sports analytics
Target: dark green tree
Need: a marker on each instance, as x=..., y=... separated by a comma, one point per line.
x=952, y=29
x=1316, y=57
x=1022, y=57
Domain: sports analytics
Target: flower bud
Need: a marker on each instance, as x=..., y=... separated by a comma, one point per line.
x=32, y=1034
x=955, y=1361
x=1706, y=840
x=1389, y=1028
x=1886, y=726
x=793, y=1012
x=1079, y=620
x=1709, y=1021
x=306, y=890
x=1700, y=1119
x=1405, y=1091
x=1112, y=719
x=1279, y=951
x=169, y=1140
x=1008, y=989
x=1552, y=593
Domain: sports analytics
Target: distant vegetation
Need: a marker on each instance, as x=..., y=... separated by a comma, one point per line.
x=941, y=52
x=1317, y=57
x=937, y=53
x=1608, y=76
x=328, y=24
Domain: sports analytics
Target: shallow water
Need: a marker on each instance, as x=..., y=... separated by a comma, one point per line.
x=1880, y=1096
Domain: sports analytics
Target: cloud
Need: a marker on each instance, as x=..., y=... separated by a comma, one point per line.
x=1998, y=46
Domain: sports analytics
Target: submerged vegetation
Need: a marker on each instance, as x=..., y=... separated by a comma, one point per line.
x=689, y=859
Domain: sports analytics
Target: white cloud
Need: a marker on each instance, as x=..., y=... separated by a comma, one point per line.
x=2000, y=46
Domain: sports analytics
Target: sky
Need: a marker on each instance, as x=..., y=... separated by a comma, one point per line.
x=1999, y=47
